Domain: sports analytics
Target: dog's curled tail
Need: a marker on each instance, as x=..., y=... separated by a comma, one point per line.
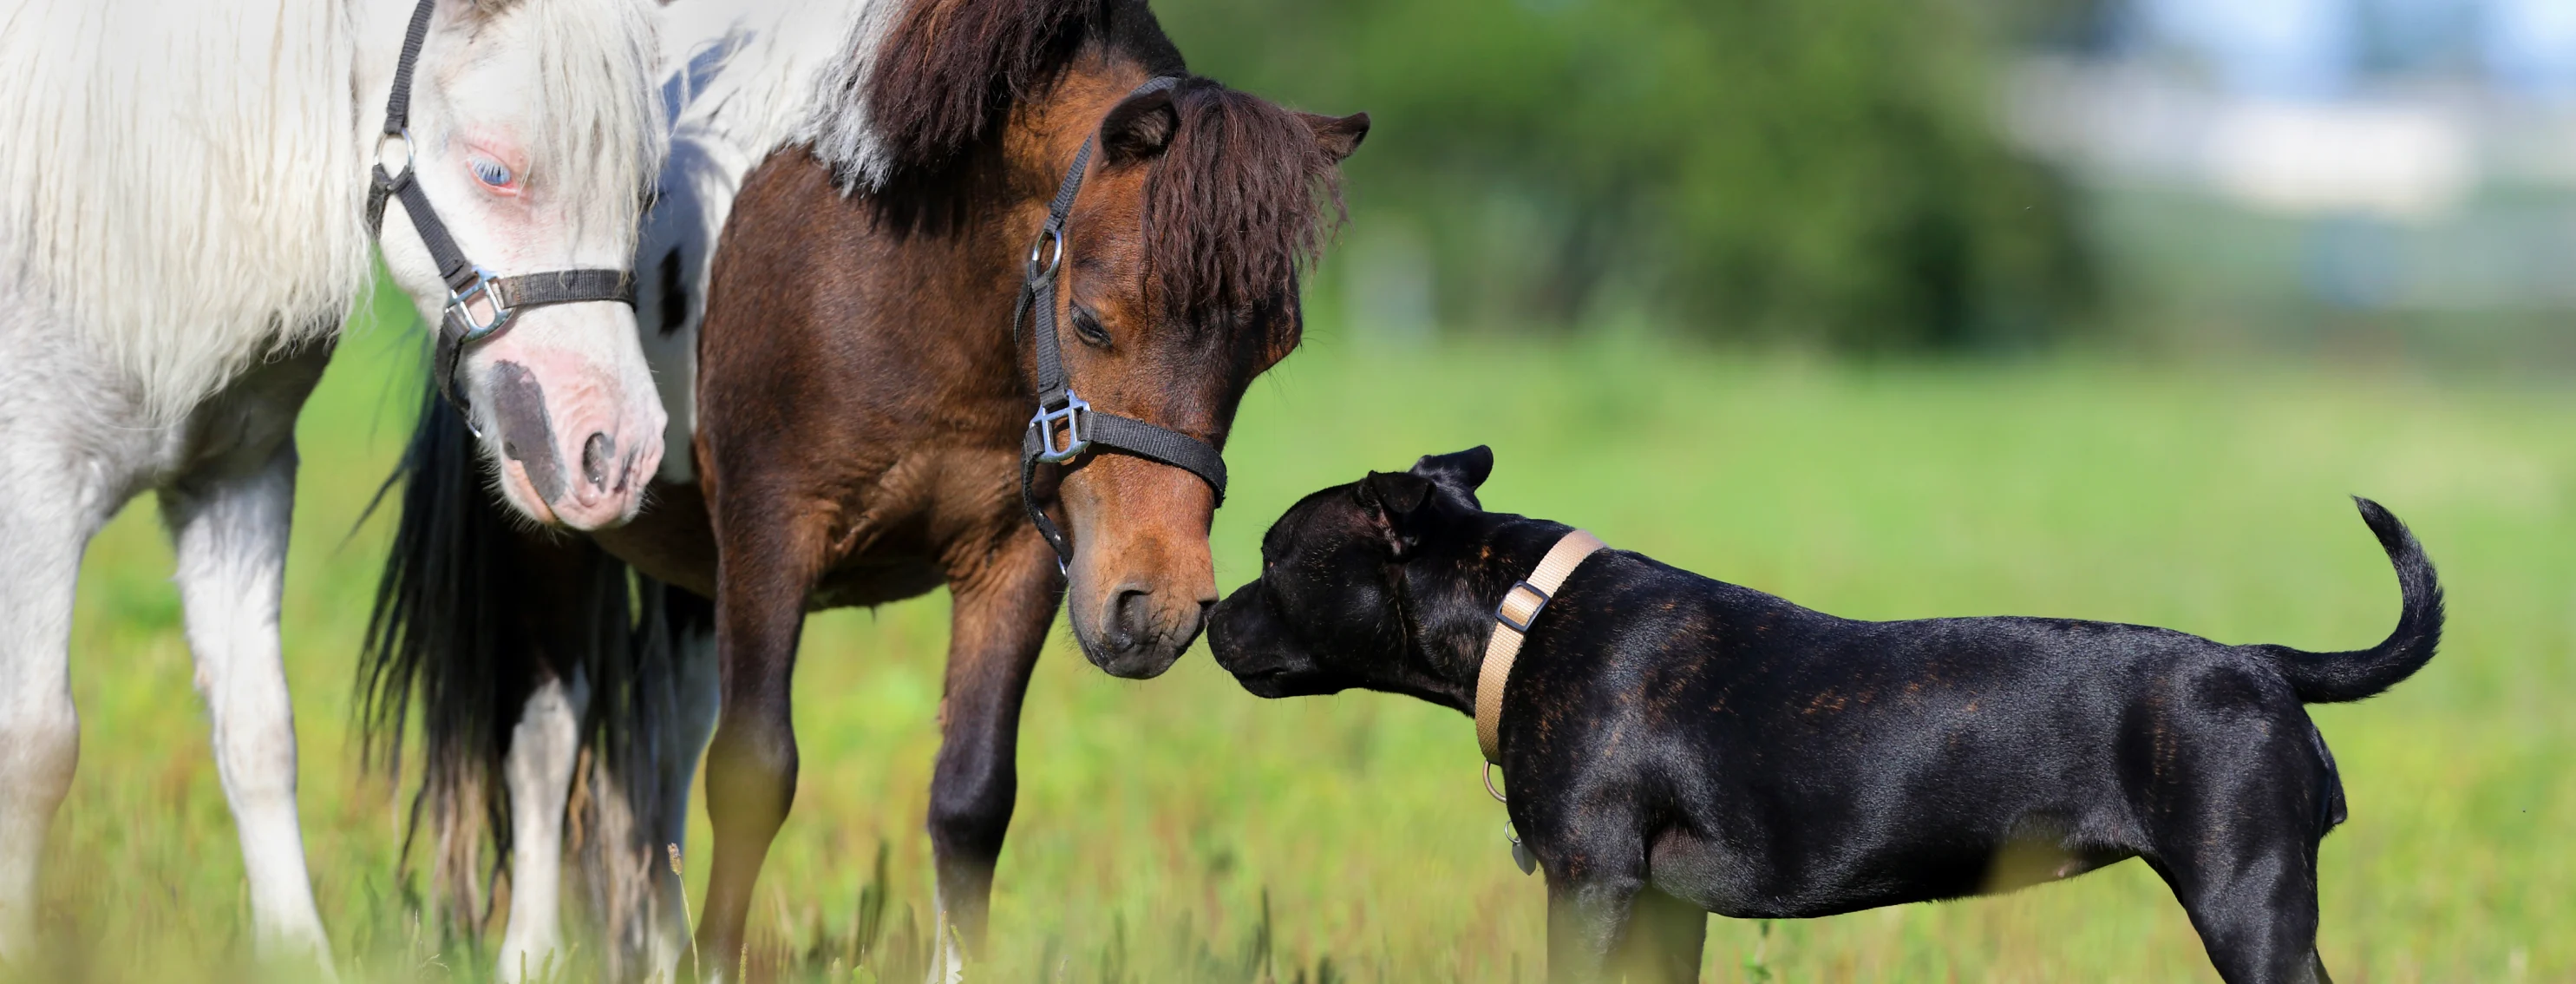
x=2331, y=678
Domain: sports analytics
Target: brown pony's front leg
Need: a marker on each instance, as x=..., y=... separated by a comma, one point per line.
x=764, y=570
x=999, y=622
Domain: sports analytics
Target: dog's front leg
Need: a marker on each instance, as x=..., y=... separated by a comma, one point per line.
x=1665, y=940
x=1584, y=920
x=1588, y=909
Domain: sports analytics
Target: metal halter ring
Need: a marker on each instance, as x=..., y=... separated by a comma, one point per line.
x=394, y=176
x=1070, y=416
x=1051, y=235
x=1489, y=785
x=485, y=290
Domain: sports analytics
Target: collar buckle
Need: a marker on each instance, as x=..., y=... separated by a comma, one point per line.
x=1521, y=605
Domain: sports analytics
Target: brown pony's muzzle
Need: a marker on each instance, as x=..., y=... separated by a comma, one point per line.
x=1142, y=582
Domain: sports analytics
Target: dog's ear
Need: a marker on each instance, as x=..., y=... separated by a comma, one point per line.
x=1459, y=471
x=1391, y=499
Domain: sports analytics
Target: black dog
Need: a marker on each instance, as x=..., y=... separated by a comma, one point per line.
x=1675, y=745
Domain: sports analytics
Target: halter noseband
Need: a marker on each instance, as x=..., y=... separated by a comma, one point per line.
x=480, y=304
x=1066, y=426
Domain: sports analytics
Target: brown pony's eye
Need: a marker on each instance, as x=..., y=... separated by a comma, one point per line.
x=1086, y=323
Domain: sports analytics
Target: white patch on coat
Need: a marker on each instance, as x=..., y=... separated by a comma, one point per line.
x=742, y=79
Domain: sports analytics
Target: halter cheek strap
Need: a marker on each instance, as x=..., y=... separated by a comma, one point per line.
x=480, y=304
x=1520, y=606
x=1066, y=426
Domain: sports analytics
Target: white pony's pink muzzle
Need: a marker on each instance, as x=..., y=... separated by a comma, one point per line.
x=575, y=428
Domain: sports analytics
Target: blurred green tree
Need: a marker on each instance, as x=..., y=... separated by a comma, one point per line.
x=1827, y=170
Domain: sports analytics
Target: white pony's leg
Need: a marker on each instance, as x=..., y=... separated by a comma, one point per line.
x=46, y=519
x=698, y=690
x=544, y=747
x=229, y=525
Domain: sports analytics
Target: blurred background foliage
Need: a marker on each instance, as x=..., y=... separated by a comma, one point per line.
x=1753, y=169
x=2348, y=180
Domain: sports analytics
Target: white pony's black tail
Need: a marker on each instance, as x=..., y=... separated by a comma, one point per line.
x=473, y=612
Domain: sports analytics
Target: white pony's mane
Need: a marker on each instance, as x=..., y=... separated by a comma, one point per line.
x=183, y=181
x=177, y=178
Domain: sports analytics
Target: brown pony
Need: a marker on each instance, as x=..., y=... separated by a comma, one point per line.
x=861, y=402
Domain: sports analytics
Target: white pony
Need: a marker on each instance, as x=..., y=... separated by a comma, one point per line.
x=183, y=189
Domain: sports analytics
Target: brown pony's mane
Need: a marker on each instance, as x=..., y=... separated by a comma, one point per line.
x=1237, y=206
x=948, y=72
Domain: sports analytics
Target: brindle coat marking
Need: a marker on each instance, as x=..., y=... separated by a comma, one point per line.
x=861, y=396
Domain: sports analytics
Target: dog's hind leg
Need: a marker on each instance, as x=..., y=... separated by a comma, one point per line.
x=1664, y=941
x=2237, y=841
x=2257, y=915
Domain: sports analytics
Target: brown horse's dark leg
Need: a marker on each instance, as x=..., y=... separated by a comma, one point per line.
x=764, y=570
x=998, y=624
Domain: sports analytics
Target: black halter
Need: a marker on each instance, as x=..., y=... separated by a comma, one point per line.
x=480, y=304
x=1065, y=426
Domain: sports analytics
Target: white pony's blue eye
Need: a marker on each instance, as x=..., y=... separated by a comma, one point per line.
x=489, y=172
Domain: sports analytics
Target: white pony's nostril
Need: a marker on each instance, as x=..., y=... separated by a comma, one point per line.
x=595, y=455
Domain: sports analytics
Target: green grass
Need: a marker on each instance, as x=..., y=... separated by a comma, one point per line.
x=1179, y=829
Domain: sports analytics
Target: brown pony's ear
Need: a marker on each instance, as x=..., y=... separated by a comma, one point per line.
x=1338, y=135
x=1391, y=499
x=1140, y=128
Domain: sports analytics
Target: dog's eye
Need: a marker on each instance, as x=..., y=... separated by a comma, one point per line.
x=1086, y=323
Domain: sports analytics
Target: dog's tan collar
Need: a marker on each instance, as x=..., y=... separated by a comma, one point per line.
x=1512, y=618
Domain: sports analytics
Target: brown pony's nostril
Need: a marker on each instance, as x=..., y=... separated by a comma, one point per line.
x=1131, y=618
x=595, y=455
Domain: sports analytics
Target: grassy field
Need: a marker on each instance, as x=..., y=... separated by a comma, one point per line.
x=1180, y=830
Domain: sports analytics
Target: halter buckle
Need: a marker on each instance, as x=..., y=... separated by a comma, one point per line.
x=483, y=294
x=1066, y=420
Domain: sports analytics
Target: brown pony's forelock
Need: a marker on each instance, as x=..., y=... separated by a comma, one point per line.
x=1239, y=205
